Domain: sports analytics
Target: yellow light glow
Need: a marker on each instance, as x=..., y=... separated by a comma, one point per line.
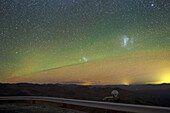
x=164, y=77
x=126, y=83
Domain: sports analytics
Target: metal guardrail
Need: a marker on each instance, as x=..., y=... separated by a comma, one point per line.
x=95, y=104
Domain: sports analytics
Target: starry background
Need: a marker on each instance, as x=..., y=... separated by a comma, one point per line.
x=85, y=41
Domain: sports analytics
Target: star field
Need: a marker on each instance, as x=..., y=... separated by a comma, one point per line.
x=38, y=36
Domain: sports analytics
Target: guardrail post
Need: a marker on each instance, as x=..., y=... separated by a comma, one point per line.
x=113, y=111
x=33, y=101
x=64, y=105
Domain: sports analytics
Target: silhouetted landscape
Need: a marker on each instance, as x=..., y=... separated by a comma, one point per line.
x=147, y=94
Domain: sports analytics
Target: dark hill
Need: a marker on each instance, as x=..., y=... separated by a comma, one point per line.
x=137, y=94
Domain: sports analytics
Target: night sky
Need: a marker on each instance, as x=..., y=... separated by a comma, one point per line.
x=85, y=41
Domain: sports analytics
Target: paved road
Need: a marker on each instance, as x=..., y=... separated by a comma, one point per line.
x=29, y=108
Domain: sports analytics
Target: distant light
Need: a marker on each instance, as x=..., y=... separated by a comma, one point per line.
x=126, y=83
x=16, y=52
x=152, y=5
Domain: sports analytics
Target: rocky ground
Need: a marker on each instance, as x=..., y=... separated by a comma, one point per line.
x=33, y=108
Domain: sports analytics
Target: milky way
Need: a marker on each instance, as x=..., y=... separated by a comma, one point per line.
x=100, y=41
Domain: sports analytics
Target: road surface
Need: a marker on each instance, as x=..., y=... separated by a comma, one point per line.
x=33, y=108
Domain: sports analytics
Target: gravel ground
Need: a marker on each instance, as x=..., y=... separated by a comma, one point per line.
x=28, y=108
